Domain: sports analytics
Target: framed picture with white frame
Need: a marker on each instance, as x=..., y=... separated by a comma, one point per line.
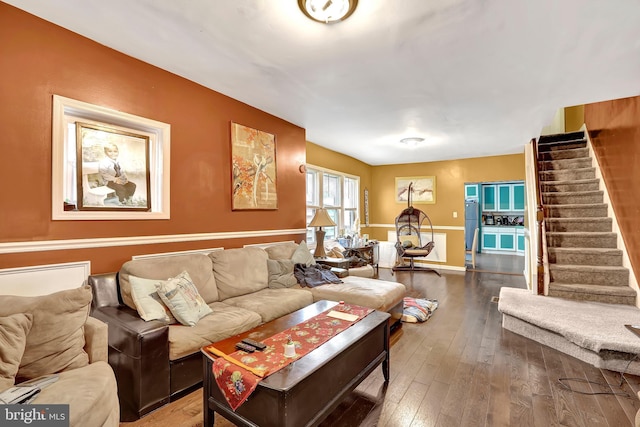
x=88, y=184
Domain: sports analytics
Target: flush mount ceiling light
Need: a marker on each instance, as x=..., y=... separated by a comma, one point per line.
x=328, y=11
x=412, y=141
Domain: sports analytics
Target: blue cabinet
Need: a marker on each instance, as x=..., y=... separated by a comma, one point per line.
x=489, y=198
x=518, y=197
x=489, y=240
x=504, y=197
x=507, y=241
x=471, y=192
x=520, y=240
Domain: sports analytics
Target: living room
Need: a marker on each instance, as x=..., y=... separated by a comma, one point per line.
x=40, y=60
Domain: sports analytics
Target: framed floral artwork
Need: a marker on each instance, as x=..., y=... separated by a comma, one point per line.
x=253, y=169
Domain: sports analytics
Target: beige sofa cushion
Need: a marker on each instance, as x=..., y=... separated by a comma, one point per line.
x=281, y=273
x=240, y=271
x=56, y=339
x=377, y=294
x=273, y=303
x=91, y=393
x=281, y=250
x=163, y=268
x=224, y=322
x=13, y=339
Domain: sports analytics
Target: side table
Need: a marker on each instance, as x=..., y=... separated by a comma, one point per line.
x=370, y=253
x=340, y=266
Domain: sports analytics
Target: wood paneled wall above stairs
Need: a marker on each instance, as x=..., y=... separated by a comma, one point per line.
x=584, y=261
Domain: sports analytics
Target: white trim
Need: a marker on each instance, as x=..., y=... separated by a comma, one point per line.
x=424, y=227
x=333, y=172
x=159, y=159
x=169, y=254
x=266, y=245
x=43, y=279
x=57, y=245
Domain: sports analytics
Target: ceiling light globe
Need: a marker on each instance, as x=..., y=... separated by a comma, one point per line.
x=328, y=11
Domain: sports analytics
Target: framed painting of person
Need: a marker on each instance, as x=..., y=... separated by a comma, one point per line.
x=112, y=169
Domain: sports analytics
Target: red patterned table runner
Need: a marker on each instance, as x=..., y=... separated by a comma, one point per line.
x=236, y=383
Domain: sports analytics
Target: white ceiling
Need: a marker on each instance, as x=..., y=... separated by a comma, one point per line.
x=473, y=77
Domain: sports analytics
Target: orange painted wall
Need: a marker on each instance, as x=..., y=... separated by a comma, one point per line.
x=39, y=59
x=614, y=129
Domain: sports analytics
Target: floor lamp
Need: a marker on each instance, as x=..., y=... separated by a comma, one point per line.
x=321, y=219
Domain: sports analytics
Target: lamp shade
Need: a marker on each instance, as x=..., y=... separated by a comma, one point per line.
x=321, y=219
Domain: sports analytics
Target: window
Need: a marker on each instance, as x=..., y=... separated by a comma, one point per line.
x=340, y=197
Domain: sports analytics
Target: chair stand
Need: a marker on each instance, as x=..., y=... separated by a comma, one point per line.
x=412, y=267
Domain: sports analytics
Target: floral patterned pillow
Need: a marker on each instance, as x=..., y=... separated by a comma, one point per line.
x=183, y=299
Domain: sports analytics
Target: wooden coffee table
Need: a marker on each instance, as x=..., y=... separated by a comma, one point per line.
x=306, y=391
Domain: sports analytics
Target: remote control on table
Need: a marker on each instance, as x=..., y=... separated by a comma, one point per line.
x=258, y=345
x=245, y=347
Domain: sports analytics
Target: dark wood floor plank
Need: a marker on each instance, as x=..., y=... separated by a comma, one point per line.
x=498, y=411
x=586, y=404
x=459, y=368
x=476, y=407
x=566, y=410
x=406, y=410
x=608, y=404
x=427, y=413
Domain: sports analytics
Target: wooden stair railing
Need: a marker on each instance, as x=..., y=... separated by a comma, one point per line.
x=539, y=220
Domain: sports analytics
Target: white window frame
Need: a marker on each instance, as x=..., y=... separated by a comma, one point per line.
x=63, y=170
x=341, y=207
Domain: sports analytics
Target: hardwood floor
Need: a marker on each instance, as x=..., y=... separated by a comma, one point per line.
x=462, y=369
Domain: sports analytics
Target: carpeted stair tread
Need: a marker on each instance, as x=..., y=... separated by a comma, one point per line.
x=564, y=136
x=576, y=211
x=582, y=239
x=605, y=275
x=579, y=224
x=618, y=291
x=573, y=197
x=570, y=185
x=592, y=325
x=585, y=256
x=561, y=145
x=558, y=164
x=568, y=174
x=573, y=153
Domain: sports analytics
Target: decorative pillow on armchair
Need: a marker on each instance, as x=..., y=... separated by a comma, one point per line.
x=13, y=339
x=183, y=299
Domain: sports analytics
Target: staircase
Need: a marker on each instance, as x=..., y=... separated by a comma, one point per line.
x=584, y=261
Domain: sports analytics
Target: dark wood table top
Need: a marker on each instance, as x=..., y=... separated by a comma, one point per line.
x=301, y=368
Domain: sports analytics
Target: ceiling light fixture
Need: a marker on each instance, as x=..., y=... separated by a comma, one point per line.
x=412, y=141
x=328, y=11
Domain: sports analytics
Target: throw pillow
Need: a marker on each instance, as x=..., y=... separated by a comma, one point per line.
x=281, y=273
x=418, y=310
x=302, y=255
x=13, y=339
x=55, y=342
x=183, y=299
x=335, y=253
x=147, y=301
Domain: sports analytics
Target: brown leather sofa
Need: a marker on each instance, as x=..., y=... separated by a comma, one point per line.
x=153, y=367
